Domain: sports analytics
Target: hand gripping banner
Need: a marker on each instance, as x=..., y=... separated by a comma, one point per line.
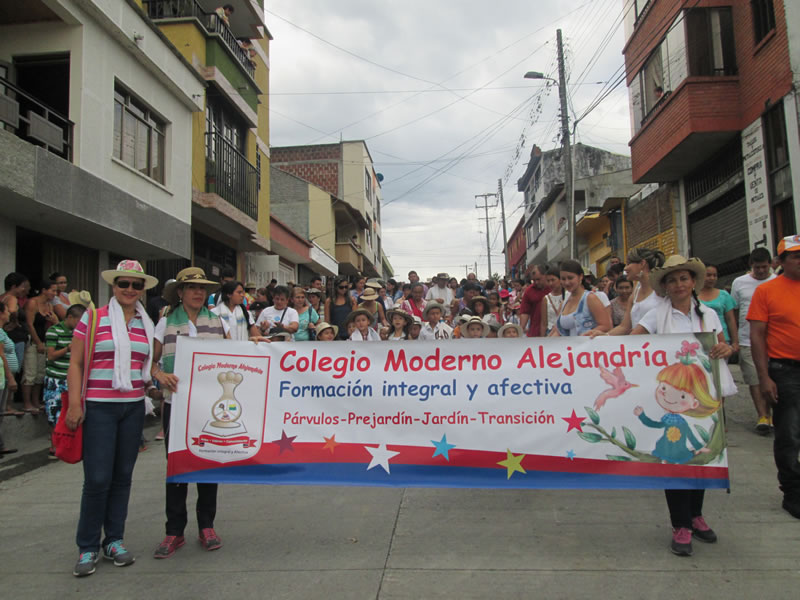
x=612, y=412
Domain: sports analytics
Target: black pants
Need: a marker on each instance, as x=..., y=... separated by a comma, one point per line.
x=786, y=418
x=177, y=516
x=684, y=505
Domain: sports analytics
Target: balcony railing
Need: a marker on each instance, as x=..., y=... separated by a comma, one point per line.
x=230, y=175
x=32, y=120
x=213, y=23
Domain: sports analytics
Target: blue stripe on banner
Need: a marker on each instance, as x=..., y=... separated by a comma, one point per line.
x=436, y=477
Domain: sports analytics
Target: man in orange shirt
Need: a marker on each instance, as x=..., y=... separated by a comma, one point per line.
x=775, y=338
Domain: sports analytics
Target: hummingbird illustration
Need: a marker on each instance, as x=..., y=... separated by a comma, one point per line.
x=619, y=385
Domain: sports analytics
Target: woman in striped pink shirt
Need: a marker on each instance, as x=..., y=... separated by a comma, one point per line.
x=113, y=418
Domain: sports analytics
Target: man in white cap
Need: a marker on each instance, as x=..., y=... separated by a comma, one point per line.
x=774, y=331
x=439, y=292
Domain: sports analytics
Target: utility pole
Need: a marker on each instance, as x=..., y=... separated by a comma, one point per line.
x=566, y=149
x=488, y=243
x=503, y=216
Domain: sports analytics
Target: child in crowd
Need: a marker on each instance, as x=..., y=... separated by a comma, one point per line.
x=326, y=332
x=362, y=319
x=551, y=307
x=401, y=322
x=475, y=327
x=58, y=341
x=415, y=329
x=510, y=330
x=435, y=328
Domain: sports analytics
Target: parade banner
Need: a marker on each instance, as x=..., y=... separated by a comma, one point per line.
x=609, y=412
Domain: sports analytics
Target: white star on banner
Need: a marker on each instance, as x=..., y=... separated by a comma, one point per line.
x=380, y=456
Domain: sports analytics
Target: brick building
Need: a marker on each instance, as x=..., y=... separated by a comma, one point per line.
x=517, y=249
x=345, y=170
x=714, y=116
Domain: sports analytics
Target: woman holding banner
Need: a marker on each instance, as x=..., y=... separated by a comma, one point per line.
x=108, y=373
x=583, y=311
x=189, y=315
x=681, y=312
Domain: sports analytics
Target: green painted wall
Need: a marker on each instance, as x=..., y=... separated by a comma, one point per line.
x=217, y=55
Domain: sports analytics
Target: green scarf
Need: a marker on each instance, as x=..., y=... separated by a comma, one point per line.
x=208, y=326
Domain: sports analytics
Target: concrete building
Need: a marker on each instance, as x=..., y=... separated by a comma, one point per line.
x=346, y=171
x=308, y=211
x=95, y=147
x=230, y=187
x=714, y=114
x=602, y=180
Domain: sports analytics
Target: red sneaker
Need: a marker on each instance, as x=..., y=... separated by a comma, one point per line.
x=209, y=539
x=681, y=541
x=168, y=547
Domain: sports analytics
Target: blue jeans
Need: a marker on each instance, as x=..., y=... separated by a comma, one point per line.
x=786, y=418
x=112, y=432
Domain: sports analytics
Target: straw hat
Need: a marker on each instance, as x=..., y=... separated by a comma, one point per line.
x=194, y=275
x=84, y=298
x=369, y=294
x=428, y=308
x=356, y=312
x=129, y=268
x=400, y=312
x=676, y=262
x=464, y=328
x=314, y=291
x=417, y=321
x=510, y=326
x=322, y=326
x=374, y=282
x=441, y=276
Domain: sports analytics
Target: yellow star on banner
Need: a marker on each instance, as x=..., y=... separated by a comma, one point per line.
x=512, y=463
x=330, y=443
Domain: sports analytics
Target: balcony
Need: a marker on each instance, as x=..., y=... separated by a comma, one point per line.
x=230, y=175
x=160, y=10
x=349, y=258
x=691, y=125
x=35, y=122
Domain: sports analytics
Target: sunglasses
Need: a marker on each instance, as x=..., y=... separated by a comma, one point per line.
x=343, y=287
x=124, y=285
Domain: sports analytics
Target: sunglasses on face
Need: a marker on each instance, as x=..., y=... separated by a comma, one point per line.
x=343, y=287
x=137, y=285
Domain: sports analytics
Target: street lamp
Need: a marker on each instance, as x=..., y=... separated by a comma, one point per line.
x=567, y=150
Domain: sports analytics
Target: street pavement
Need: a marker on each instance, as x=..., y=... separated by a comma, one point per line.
x=359, y=542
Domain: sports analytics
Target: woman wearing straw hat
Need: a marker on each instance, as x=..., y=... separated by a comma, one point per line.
x=369, y=302
x=681, y=312
x=117, y=375
x=189, y=316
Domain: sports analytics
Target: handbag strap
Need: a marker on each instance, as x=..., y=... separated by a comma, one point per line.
x=88, y=354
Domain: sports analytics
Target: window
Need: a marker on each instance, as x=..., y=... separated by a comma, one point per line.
x=763, y=18
x=710, y=41
x=540, y=224
x=138, y=135
x=223, y=121
x=776, y=147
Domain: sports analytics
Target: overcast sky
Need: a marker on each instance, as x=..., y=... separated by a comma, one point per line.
x=437, y=91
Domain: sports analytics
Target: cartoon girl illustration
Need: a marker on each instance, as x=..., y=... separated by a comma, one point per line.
x=682, y=390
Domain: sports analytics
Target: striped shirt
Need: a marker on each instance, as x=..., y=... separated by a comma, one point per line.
x=101, y=370
x=58, y=337
x=11, y=354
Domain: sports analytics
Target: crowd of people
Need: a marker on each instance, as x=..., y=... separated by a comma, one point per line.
x=55, y=344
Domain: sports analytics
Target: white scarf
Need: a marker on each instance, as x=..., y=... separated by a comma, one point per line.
x=239, y=330
x=664, y=324
x=122, y=346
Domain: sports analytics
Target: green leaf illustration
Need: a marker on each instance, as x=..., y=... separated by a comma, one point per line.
x=592, y=438
x=630, y=439
x=592, y=415
x=703, y=433
x=613, y=433
x=619, y=458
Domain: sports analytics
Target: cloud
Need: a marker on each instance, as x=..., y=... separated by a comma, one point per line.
x=464, y=44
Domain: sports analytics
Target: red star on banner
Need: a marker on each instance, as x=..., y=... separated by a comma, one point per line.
x=330, y=443
x=285, y=443
x=574, y=422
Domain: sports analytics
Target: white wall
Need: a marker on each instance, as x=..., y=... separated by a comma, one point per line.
x=97, y=58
